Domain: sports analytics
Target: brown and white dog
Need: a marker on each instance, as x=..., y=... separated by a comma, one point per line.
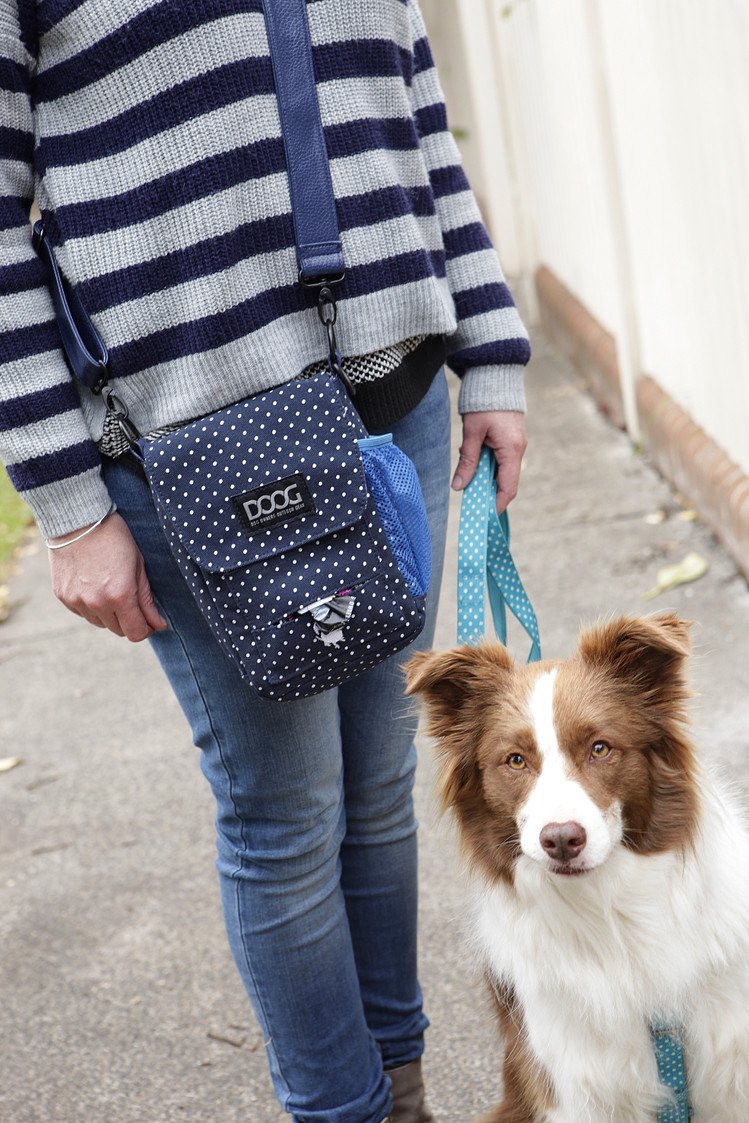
x=612, y=872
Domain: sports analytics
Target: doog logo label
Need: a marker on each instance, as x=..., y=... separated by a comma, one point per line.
x=274, y=502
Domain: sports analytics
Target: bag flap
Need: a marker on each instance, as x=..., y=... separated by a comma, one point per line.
x=260, y=477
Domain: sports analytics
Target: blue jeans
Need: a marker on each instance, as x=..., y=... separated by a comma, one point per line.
x=316, y=829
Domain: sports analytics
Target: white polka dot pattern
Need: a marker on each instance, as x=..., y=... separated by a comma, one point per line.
x=485, y=561
x=250, y=585
x=302, y=427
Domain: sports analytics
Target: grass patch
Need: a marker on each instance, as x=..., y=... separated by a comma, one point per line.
x=15, y=516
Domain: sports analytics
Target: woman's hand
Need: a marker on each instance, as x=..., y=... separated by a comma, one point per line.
x=504, y=433
x=103, y=579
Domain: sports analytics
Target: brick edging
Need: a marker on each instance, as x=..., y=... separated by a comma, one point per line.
x=681, y=450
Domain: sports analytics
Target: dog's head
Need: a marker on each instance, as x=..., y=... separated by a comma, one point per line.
x=562, y=762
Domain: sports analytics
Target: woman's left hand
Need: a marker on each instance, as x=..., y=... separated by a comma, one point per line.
x=504, y=433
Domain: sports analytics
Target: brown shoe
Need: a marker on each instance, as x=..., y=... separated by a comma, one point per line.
x=408, y=1095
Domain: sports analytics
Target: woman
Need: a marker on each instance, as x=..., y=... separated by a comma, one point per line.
x=148, y=133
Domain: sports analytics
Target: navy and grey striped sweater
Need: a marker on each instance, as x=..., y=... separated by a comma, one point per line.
x=148, y=132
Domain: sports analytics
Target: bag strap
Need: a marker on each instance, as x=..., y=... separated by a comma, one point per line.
x=484, y=560
x=318, y=241
x=84, y=348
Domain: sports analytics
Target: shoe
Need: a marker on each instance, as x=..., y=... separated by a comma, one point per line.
x=408, y=1095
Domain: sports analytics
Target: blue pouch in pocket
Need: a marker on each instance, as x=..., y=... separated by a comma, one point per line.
x=396, y=491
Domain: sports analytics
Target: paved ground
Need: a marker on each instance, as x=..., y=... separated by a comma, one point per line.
x=119, y=1003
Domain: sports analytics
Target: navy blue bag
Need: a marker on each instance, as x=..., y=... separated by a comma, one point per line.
x=304, y=540
x=284, y=544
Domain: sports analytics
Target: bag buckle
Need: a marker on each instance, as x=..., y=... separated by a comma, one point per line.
x=320, y=282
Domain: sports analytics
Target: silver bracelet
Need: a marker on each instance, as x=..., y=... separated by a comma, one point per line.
x=70, y=541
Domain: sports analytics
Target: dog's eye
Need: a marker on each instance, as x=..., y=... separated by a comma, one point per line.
x=516, y=761
x=600, y=750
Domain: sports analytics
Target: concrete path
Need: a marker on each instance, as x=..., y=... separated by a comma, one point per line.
x=118, y=999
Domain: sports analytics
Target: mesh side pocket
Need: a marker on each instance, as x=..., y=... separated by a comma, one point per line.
x=396, y=491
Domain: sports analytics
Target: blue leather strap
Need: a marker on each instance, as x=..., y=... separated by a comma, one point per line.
x=318, y=241
x=485, y=561
x=84, y=348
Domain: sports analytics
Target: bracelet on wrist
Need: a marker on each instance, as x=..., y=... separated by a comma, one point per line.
x=60, y=545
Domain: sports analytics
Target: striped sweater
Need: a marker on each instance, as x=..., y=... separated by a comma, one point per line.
x=148, y=132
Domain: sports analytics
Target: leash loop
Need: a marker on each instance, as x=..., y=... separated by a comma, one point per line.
x=485, y=562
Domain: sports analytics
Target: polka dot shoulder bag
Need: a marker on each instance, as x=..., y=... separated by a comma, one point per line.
x=304, y=540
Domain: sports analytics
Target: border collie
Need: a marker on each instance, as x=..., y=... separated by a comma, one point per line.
x=611, y=872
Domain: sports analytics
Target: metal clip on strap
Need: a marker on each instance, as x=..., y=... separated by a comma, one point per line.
x=327, y=310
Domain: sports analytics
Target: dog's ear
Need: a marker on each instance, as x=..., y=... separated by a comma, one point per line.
x=456, y=687
x=647, y=651
x=647, y=656
x=449, y=681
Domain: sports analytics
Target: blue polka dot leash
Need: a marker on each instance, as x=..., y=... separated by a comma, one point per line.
x=485, y=562
x=669, y=1055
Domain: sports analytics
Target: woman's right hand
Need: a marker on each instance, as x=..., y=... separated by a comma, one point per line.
x=103, y=579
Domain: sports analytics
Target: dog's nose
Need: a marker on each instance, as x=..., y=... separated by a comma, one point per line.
x=563, y=841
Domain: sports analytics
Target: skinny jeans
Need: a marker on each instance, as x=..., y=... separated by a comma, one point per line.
x=316, y=834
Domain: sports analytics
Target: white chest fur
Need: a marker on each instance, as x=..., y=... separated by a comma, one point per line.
x=592, y=960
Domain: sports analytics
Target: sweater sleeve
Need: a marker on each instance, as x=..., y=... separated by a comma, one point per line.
x=51, y=458
x=490, y=348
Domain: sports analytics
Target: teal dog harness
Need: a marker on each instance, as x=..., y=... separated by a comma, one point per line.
x=669, y=1055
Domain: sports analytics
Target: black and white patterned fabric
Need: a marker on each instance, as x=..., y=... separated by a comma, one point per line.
x=269, y=515
x=359, y=369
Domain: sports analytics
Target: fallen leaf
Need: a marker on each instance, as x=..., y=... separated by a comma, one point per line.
x=655, y=517
x=237, y=1042
x=688, y=515
x=8, y=762
x=41, y=782
x=691, y=567
x=52, y=848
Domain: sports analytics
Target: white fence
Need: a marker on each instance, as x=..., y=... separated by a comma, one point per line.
x=609, y=140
